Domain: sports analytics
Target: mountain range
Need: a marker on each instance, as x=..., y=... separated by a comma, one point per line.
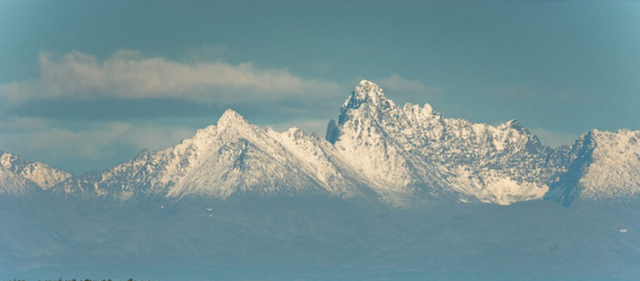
x=398, y=155
x=383, y=172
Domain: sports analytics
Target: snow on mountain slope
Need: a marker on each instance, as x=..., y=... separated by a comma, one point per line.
x=15, y=185
x=606, y=166
x=230, y=157
x=400, y=155
x=44, y=175
x=319, y=159
x=410, y=150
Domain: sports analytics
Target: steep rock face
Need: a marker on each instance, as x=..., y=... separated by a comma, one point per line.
x=412, y=150
x=605, y=166
x=43, y=175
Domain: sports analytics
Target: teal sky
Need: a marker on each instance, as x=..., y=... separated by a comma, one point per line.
x=85, y=85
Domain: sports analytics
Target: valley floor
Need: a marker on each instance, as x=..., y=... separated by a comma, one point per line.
x=318, y=239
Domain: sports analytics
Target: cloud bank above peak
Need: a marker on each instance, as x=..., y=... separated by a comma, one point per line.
x=129, y=75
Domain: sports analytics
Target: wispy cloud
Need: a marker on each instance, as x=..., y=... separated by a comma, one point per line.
x=129, y=75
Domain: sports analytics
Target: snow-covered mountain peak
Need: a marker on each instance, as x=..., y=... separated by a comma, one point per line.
x=606, y=166
x=367, y=92
x=412, y=151
x=365, y=102
x=230, y=126
x=513, y=124
x=43, y=175
x=231, y=117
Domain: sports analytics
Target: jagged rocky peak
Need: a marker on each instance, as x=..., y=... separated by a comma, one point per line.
x=367, y=92
x=366, y=101
x=513, y=123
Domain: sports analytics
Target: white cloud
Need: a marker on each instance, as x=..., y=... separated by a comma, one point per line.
x=129, y=75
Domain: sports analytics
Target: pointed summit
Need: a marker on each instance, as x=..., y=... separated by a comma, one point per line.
x=230, y=120
x=366, y=92
x=231, y=117
x=367, y=98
